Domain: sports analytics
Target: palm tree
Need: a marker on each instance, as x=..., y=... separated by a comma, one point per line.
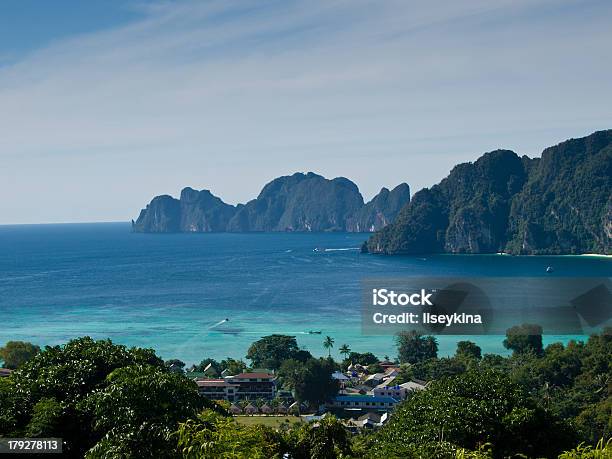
x=345, y=350
x=328, y=343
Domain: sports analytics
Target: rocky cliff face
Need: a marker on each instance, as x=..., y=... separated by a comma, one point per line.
x=201, y=211
x=299, y=202
x=162, y=215
x=565, y=205
x=479, y=197
x=381, y=210
x=558, y=204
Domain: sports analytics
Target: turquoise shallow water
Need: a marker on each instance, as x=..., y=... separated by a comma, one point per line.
x=169, y=291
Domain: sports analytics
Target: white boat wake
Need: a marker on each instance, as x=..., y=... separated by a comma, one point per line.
x=341, y=250
x=218, y=323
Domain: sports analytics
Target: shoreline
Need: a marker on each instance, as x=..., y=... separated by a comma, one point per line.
x=591, y=255
x=444, y=350
x=505, y=254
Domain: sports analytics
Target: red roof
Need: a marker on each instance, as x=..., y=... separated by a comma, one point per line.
x=254, y=376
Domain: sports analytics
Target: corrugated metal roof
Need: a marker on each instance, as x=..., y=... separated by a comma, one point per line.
x=254, y=376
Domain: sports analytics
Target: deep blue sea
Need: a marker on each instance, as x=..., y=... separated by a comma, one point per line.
x=172, y=291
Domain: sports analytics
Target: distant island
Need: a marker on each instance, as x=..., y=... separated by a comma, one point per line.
x=560, y=203
x=299, y=202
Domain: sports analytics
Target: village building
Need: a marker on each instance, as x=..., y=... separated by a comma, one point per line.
x=386, y=364
x=217, y=389
x=370, y=420
x=253, y=386
x=266, y=409
x=245, y=386
x=413, y=385
x=281, y=409
x=397, y=392
x=356, y=368
x=251, y=409
x=359, y=389
x=235, y=409
x=375, y=379
x=362, y=402
x=391, y=372
x=339, y=376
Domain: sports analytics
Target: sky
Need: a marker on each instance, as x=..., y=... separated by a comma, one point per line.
x=104, y=105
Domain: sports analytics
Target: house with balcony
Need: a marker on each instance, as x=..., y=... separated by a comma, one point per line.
x=253, y=386
x=217, y=389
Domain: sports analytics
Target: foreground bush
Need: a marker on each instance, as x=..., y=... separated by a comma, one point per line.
x=216, y=436
x=99, y=397
x=213, y=435
x=601, y=451
x=468, y=411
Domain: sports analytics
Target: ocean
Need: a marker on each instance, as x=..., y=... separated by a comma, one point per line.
x=174, y=292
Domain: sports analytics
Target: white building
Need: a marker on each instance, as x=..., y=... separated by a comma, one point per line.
x=397, y=392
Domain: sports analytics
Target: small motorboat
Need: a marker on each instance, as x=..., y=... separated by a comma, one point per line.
x=314, y=332
x=549, y=269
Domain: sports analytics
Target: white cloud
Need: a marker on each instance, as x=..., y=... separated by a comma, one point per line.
x=226, y=95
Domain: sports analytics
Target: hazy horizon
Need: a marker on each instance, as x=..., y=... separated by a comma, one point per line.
x=177, y=195
x=105, y=105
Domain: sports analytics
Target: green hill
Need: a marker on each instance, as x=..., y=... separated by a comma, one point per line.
x=559, y=204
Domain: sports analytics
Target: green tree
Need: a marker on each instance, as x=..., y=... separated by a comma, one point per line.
x=344, y=350
x=328, y=343
x=302, y=355
x=65, y=376
x=8, y=408
x=214, y=368
x=175, y=365
x=471, y=409
x=212, y=435
x=233, y=366
x=468, y=349
x=586, y=397
x=290, y=373
x=47, y=419
x=560, y=365
x=327, y=439
x=16, y=353
x=524, y=338
x=375, y=368
x=413, y=347
x=431, y=369
x=270, y=351
x=139, y=409
x=311, y=381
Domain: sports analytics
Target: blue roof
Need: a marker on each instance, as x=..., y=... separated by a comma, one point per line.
x=364, y=398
